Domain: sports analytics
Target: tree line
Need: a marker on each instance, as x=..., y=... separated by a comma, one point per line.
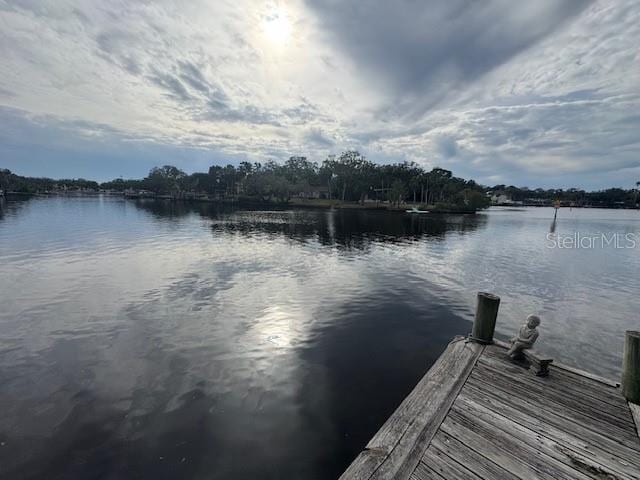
x=349, y=177
x=10, y=182
x=610, y=197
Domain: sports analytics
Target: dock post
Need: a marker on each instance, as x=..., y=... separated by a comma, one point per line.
x=486, y=313
x=631, y=367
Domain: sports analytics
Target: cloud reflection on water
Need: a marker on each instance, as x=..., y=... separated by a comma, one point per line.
x=138, y=335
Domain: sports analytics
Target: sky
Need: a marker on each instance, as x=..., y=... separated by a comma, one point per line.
x=539, y=94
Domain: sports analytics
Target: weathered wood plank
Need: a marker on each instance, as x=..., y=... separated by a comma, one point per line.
x=582, y=459
x=513, y=394
x=584, y=374
x=560, y=366
x=575, y=405
x=399, y=444
x=539, y=419
x=579, y=375
x=424, y=472
x=446, y=466
x=364, y=464
x=445, y=384
x=390, y=433
x=521, y=444
x=462, y=454
x=499, y=450
x=608, y=396
x=556, y=389
x=635, y=413
x=561, y=380
x=476, y=415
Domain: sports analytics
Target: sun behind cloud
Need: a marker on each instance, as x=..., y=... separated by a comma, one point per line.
x=276, y=26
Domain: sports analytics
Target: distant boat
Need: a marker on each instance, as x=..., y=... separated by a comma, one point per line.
x=417, y=210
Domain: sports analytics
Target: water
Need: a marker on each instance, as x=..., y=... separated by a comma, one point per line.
x=158, y=340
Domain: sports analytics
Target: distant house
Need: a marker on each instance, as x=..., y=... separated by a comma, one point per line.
x=131, y=193
x=501, y=198
x=312, y=192
x=537, y=201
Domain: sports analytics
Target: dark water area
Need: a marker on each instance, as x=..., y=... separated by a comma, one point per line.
x=166, y=340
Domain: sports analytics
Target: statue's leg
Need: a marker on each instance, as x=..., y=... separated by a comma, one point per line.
x=515, y=352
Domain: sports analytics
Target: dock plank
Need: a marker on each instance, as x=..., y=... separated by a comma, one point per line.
x=522, y=443
x=580, y=394
x=635, y=413
x=558, y=414
x=449, y=377
x=561, y=378
x=424, y=472
x=500, y=451
x=476, y=415
x=555, y=400
x=537, y=418
x=462, y=454
x=446, y=466
x=396, y=449
x=576, y=455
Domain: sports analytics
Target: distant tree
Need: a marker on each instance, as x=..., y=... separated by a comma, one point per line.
x=397, y=192
x=267, y=186
x=165, y=179
x=121, y=185
x=299, y=170
x=476, y=200
x=5, y=178
x=350, y=176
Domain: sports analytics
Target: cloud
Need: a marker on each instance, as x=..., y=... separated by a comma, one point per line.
x=193, y=76
x=540, y=94
x=171, y=84
x=428, y=49
x=318, y=137
x=447, y=146
x=54, y=147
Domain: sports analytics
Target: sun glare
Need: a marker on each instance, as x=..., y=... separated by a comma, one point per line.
x=276, y=27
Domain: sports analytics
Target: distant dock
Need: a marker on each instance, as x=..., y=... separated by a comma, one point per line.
x=478, y=415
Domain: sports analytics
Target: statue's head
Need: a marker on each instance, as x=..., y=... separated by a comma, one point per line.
x=533, y=321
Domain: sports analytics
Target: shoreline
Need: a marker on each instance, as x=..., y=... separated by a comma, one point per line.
x=297, y=203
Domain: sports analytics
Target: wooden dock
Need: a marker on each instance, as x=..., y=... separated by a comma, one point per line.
x=478, y=415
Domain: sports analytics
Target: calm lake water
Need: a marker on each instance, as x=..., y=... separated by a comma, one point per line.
x=157, y=340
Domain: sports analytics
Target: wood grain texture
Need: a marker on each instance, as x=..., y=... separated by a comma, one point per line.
x=537, y=418
x=581, y=392
x=396, y=449
x=445, y=466
x=635, y=413
x=573, y=406
x=520, y=443
x=554, y=443
x=471, y=459
x=478, y=415
x=503, y=346
x=560, y=377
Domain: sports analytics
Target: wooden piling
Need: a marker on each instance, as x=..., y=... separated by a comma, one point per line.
x=631, y=367
x=477, y=415
x=486, y=314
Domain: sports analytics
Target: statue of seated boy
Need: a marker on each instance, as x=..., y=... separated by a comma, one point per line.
x=527, y=336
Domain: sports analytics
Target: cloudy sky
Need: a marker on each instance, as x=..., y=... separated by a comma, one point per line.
x=543, y=93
